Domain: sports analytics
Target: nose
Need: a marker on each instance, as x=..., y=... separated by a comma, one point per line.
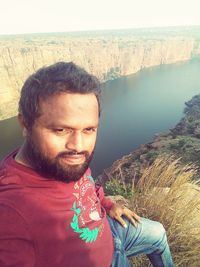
x=75, y=142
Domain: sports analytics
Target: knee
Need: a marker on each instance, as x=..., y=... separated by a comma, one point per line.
x=158, y=231
x=158, y=236
x=154, y=231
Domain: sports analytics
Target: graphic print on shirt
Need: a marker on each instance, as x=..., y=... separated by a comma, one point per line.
x=87, y=209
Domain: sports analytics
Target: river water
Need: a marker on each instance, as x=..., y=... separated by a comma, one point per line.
x=135, y=108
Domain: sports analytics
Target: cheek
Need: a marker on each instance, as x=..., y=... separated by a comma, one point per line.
x=91, y=143
x=51, y=145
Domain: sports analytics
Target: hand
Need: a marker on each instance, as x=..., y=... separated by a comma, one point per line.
x=117, y=211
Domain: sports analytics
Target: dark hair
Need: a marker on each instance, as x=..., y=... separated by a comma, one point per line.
x=56, y=78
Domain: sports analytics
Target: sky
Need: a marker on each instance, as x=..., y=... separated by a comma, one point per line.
x=34, y=16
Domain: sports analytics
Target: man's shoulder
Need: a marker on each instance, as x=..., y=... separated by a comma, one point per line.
x=11, y=187
x=7, y=159
x=8, y=173
x=13, y=173
x=11, y=181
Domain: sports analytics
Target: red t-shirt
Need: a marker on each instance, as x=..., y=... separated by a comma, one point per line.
x=47, y=223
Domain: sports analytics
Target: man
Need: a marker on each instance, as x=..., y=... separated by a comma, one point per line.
x=52, y=213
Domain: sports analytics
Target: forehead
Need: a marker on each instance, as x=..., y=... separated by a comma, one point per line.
x=69, y=108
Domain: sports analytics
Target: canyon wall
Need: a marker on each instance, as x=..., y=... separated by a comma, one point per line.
x=106, y=57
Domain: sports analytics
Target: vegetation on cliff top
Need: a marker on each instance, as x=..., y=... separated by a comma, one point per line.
x=167, y=192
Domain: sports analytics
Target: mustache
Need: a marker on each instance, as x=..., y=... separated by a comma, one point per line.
x=72, y=153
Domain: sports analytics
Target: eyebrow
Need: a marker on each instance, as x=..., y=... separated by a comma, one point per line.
x=68, y=126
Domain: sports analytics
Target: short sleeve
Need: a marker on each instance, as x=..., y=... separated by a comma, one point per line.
x=105, y=201
x=16, y=246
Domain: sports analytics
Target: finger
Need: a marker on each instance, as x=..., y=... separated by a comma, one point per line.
x=136, y=217
x=121, y=221
x=131, y=219
x=131, y=213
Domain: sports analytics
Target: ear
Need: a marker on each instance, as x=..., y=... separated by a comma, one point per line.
x=22, y=124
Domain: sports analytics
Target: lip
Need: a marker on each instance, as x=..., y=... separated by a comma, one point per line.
x=74, y=159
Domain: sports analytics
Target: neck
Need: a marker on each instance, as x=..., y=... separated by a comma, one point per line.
x=21, y=156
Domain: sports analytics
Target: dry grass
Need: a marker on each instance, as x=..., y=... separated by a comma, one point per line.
x=166, y=192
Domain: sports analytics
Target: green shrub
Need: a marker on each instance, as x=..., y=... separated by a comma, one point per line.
x=115, y=187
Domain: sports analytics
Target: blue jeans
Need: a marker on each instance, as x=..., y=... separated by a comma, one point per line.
x=148, y=237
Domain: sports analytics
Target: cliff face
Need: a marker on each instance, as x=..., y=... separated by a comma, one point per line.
x=106, y=57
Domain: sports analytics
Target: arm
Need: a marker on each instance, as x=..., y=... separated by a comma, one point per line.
x=105, y=201
x=115, y=210
x=16, y=246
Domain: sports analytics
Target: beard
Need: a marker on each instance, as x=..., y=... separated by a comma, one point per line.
x=54, y=168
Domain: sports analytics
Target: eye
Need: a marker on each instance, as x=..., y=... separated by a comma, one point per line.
x=61, y=131
x=90, y=130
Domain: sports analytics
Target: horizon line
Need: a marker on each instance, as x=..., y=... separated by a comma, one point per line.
x=100, y=30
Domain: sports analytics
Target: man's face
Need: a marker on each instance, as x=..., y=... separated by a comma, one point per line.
x=61, y=142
